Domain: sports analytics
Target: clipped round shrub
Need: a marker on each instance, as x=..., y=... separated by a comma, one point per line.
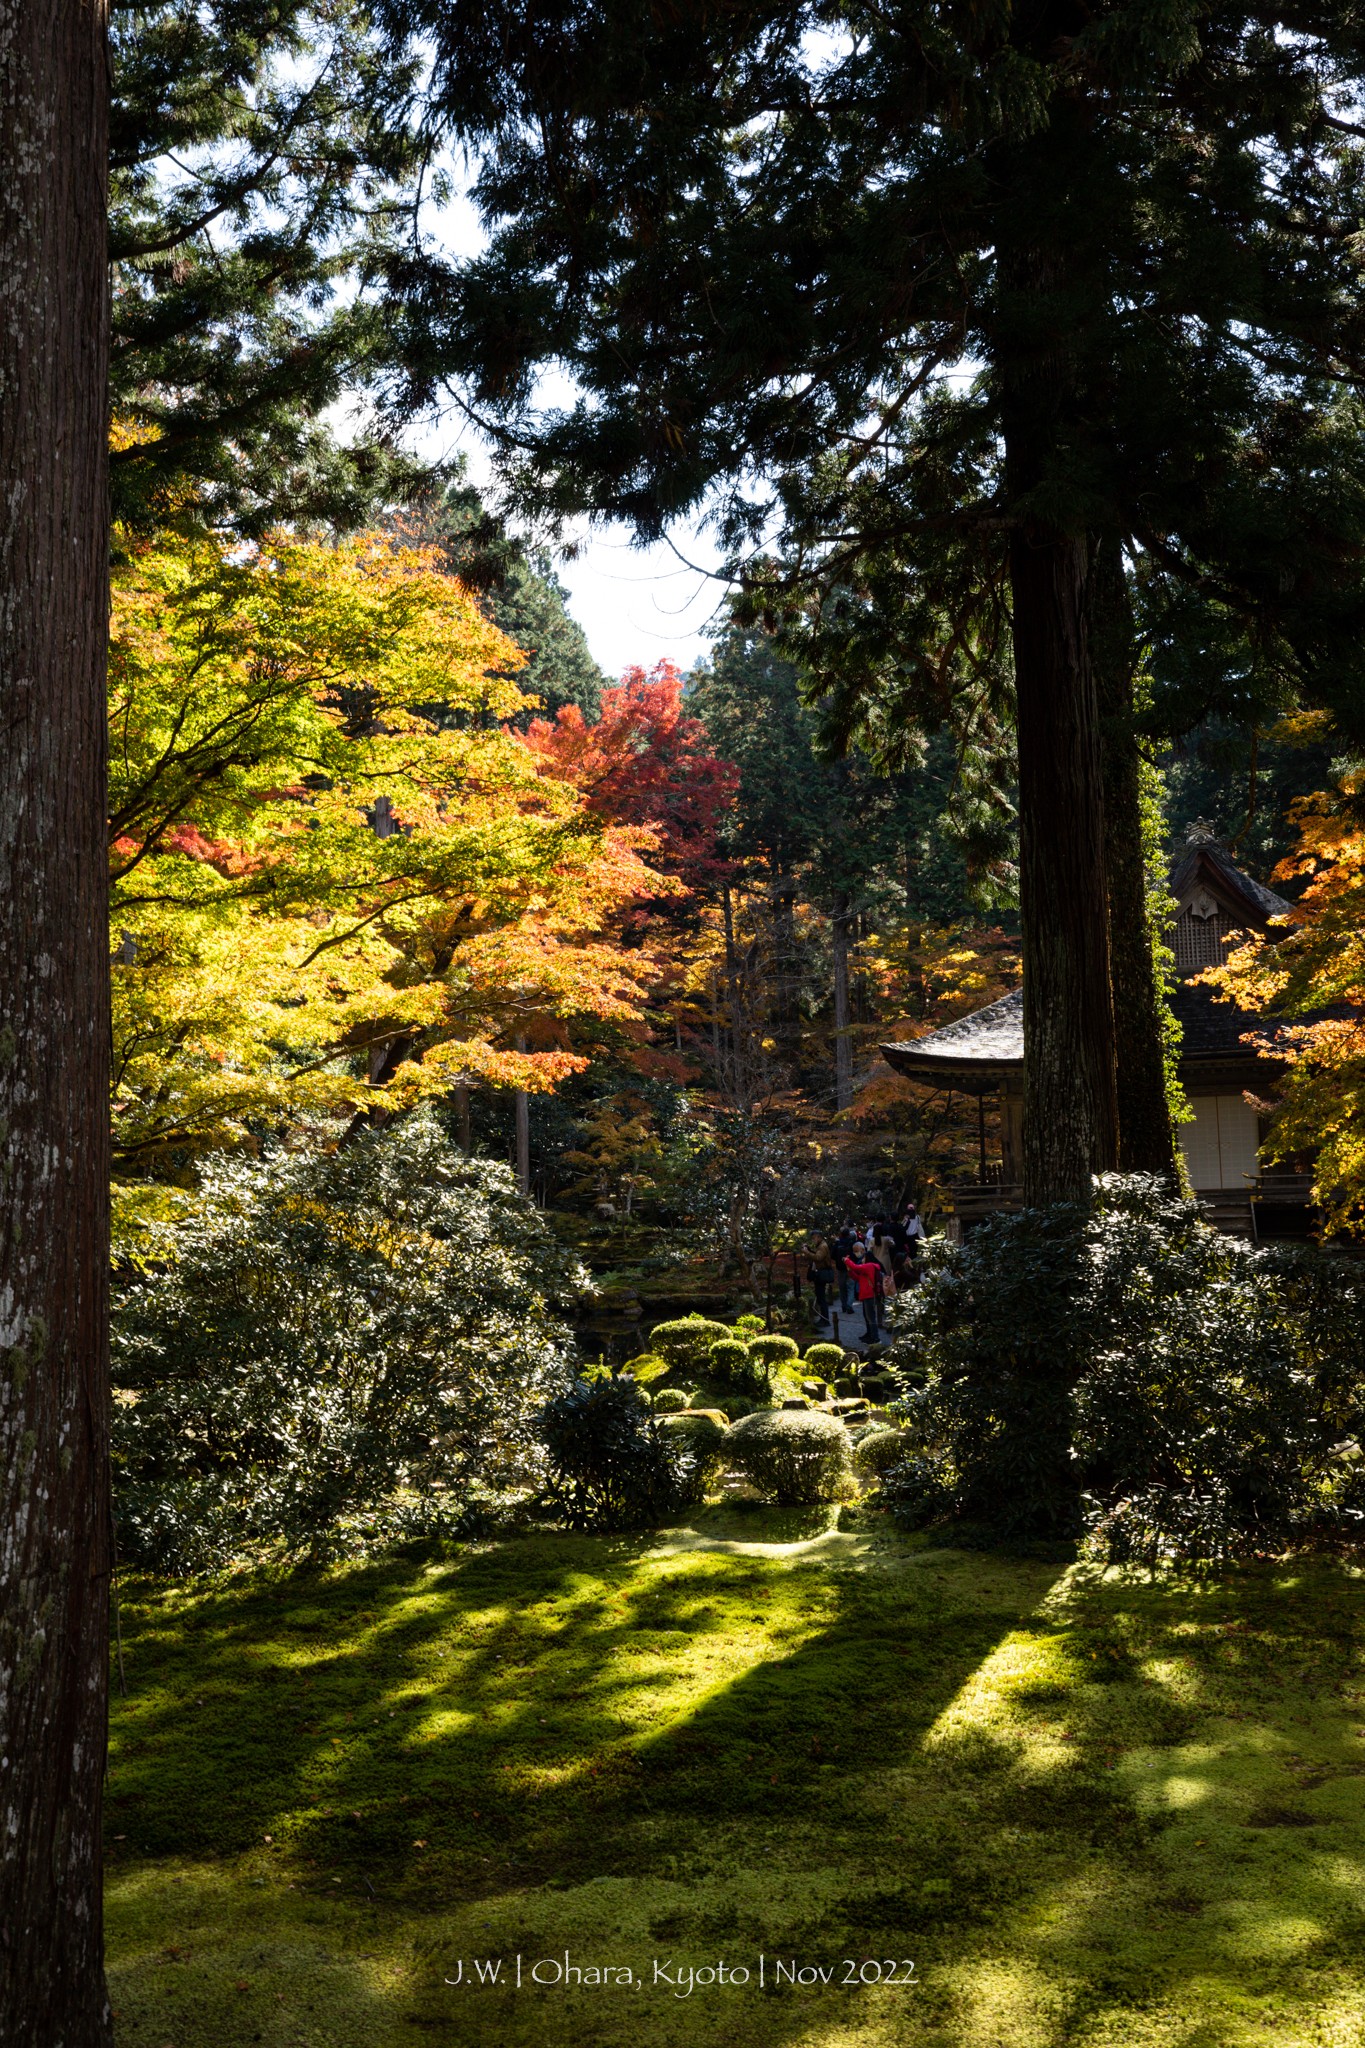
x=825, y=1359
x=684, y=1344
x=729, y=1360
x=796, y=1457
x=774, y=1348
x=611, y=1466
x=704, y=1432
x=879, y=1449
x=647, y=1368
x=734, y=1363
x=670, y=1401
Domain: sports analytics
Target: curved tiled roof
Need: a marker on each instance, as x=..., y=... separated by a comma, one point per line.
x=987, y=1047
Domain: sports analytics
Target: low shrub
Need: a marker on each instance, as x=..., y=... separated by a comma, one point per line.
x=750, y=1326
x=1122, y=1371
x=647, y=1368
x=704, y=1432
x=669, y=1400
x=879, y=1449
x=684, y=1344
x=733, y=1363
x=826, y=1360
x=796, y=1457
x=774, y=1349
x=611, y=1466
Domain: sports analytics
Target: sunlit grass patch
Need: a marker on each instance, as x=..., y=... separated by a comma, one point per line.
x=1090, y=1810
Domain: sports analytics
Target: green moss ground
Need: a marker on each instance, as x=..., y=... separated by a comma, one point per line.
x=1091, y=1811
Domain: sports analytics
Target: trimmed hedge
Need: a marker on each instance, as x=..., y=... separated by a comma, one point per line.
x=774, y=1349
x=796, y=1457
x=670, y=1401
x=879, y=1450
x=684, y=1344
x=826, y=1361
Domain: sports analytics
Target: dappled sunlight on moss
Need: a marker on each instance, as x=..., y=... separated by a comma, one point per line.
x=1093, y=1809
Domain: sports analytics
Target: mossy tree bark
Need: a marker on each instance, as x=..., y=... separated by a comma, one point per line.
x=54, y=1019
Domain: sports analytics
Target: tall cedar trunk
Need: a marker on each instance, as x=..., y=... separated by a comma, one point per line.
x=843, y=1044
x=54, y=1032
x=1146, y=1133
x=1070, y=1097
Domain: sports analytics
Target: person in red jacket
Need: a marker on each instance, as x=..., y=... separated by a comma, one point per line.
x=865, y=1273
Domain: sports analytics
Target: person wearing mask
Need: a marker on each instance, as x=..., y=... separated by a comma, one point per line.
x=867, y=1276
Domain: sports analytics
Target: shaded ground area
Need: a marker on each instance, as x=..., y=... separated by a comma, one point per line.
x=1087, y=1810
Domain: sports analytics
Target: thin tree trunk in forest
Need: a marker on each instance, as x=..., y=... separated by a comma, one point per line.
x=54, y=1031
x=1146, y=1133
x=523, y=1131
x=843, y=1044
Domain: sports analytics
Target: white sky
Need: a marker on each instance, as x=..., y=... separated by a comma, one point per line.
x=636, y=605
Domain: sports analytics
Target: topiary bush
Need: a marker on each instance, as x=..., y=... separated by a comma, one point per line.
x=826, y=1361
x=611, y=1466
x=668, y=1400
x=1124, y=1372
x=732, y=1362
x=879, y=1449
x=774, y=1349
x=684, y=1344
x=704, y=1432
x=349, y=1345
x=796, y=1457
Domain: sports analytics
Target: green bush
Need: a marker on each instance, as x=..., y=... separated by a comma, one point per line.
x=825, y=1360
x=647, y=1368
x=728, y=1360
x=878, y=1449
x=750, y=1326
x=774, y=1349
x=705, y=1437
x=611, y=1466
x=684, y=1344
x=796, y=1457
x=670, y=1400
x=359, y=1335
x=1123, y=1371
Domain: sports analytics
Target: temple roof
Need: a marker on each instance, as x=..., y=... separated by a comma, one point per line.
x=978, y=1052
x=1206, y=861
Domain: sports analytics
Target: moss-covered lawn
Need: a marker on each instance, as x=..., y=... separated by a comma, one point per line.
x=1087, y=1811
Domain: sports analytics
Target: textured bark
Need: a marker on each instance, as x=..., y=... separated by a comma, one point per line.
x=1048, y=277
x=843, y=1044
x=1070, y=1094
x=1146, y=1133
x=54, y=1031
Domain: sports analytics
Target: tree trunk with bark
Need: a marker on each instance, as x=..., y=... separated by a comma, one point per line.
x=1070, y=1090
x=1146, y=1133
x=843, y=1043
x=54, y=1031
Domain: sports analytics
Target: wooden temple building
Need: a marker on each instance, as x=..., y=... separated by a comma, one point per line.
x=983, y=1055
